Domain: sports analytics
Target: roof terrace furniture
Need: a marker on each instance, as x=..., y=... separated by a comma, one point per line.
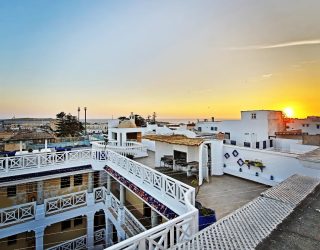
x=167, y=160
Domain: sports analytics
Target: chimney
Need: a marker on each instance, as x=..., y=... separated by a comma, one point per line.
x=212, y=119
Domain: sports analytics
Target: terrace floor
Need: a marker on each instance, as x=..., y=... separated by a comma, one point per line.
x=224, y=193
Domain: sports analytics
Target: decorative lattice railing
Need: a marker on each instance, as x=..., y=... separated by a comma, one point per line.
x=65, y=202
x=17, y=214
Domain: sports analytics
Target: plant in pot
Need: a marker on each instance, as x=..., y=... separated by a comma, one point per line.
x=259, y=165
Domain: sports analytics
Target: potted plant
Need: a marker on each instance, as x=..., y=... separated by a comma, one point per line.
x=259, y=165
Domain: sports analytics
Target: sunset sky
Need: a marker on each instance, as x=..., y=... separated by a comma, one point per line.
x=181, y=59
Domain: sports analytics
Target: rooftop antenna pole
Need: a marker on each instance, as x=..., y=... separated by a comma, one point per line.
x=78, y=114
x=85, y=120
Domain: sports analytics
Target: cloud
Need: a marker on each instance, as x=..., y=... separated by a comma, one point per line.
x=266, y=75
x=278, y=45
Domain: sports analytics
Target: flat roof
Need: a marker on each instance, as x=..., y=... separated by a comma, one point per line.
x=175, y=139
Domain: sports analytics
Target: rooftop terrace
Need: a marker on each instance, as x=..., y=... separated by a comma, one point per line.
x=224, y=193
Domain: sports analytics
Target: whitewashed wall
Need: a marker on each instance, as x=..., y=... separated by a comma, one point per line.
x=279, y=165
x=151, y=145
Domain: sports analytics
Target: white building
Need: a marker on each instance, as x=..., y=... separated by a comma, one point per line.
x=254, y=126
x=309, y=125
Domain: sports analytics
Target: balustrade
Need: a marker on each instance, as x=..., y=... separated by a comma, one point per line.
x=75, y=244
x=65, y=202
x=99, y=235
x=132, y=223
x=17, y=214
x=172, y=191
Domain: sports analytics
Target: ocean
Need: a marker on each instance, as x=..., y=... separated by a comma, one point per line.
x=171, y=120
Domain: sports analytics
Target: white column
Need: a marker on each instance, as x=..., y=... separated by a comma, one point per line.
x=154, y=218
x=90, y=182
x=121, y=206
x=109, y=230
x=20, y=146
x=46, y=144
x=124, y=138
x=200, y=165
x=39, y=192
x=108, y=198
x=39, y=233
x=90, y=230
x=122, y=195
x=119, y=139
x=217, y=157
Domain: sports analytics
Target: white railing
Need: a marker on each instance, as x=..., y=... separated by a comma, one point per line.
x=42, y=160
x=115, y=203
x=99, y=235
x=132, y=223
x=172, y=189
x=80, y=242
x=173, y=192
x=164, y=236
x=65, y=202
x=127, y=148
x=74, y=244
x=99, y=194
x=17, y=214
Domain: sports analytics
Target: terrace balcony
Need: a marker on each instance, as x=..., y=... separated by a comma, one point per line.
x=168, y=197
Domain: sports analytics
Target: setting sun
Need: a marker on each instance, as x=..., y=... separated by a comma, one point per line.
x=288, y=112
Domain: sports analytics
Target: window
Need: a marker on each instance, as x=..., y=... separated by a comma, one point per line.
x=318, y=126
x=11, y=191
x=302, y=125
x=307, y=125
x=77, y=221
x=12, y=240
x=77, y=180
x=65, y=182
x=199, y=129
x=214, y=128
x=65, y=224
x=253, y=116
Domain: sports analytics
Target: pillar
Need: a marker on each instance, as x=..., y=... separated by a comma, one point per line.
x=90, y=230
x=118, y=139
x=46, y=144
x=20, y=146
x=122, y=195
x=109, y=231
x=90, y=182
x=108, y=184
x=123, y=138
x=217, y=157
x=39, y=233
x=154, y=218
x=121, y=211
x=39, y=192
x=200, y=165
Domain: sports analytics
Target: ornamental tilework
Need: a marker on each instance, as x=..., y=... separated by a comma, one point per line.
x=161, y=208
